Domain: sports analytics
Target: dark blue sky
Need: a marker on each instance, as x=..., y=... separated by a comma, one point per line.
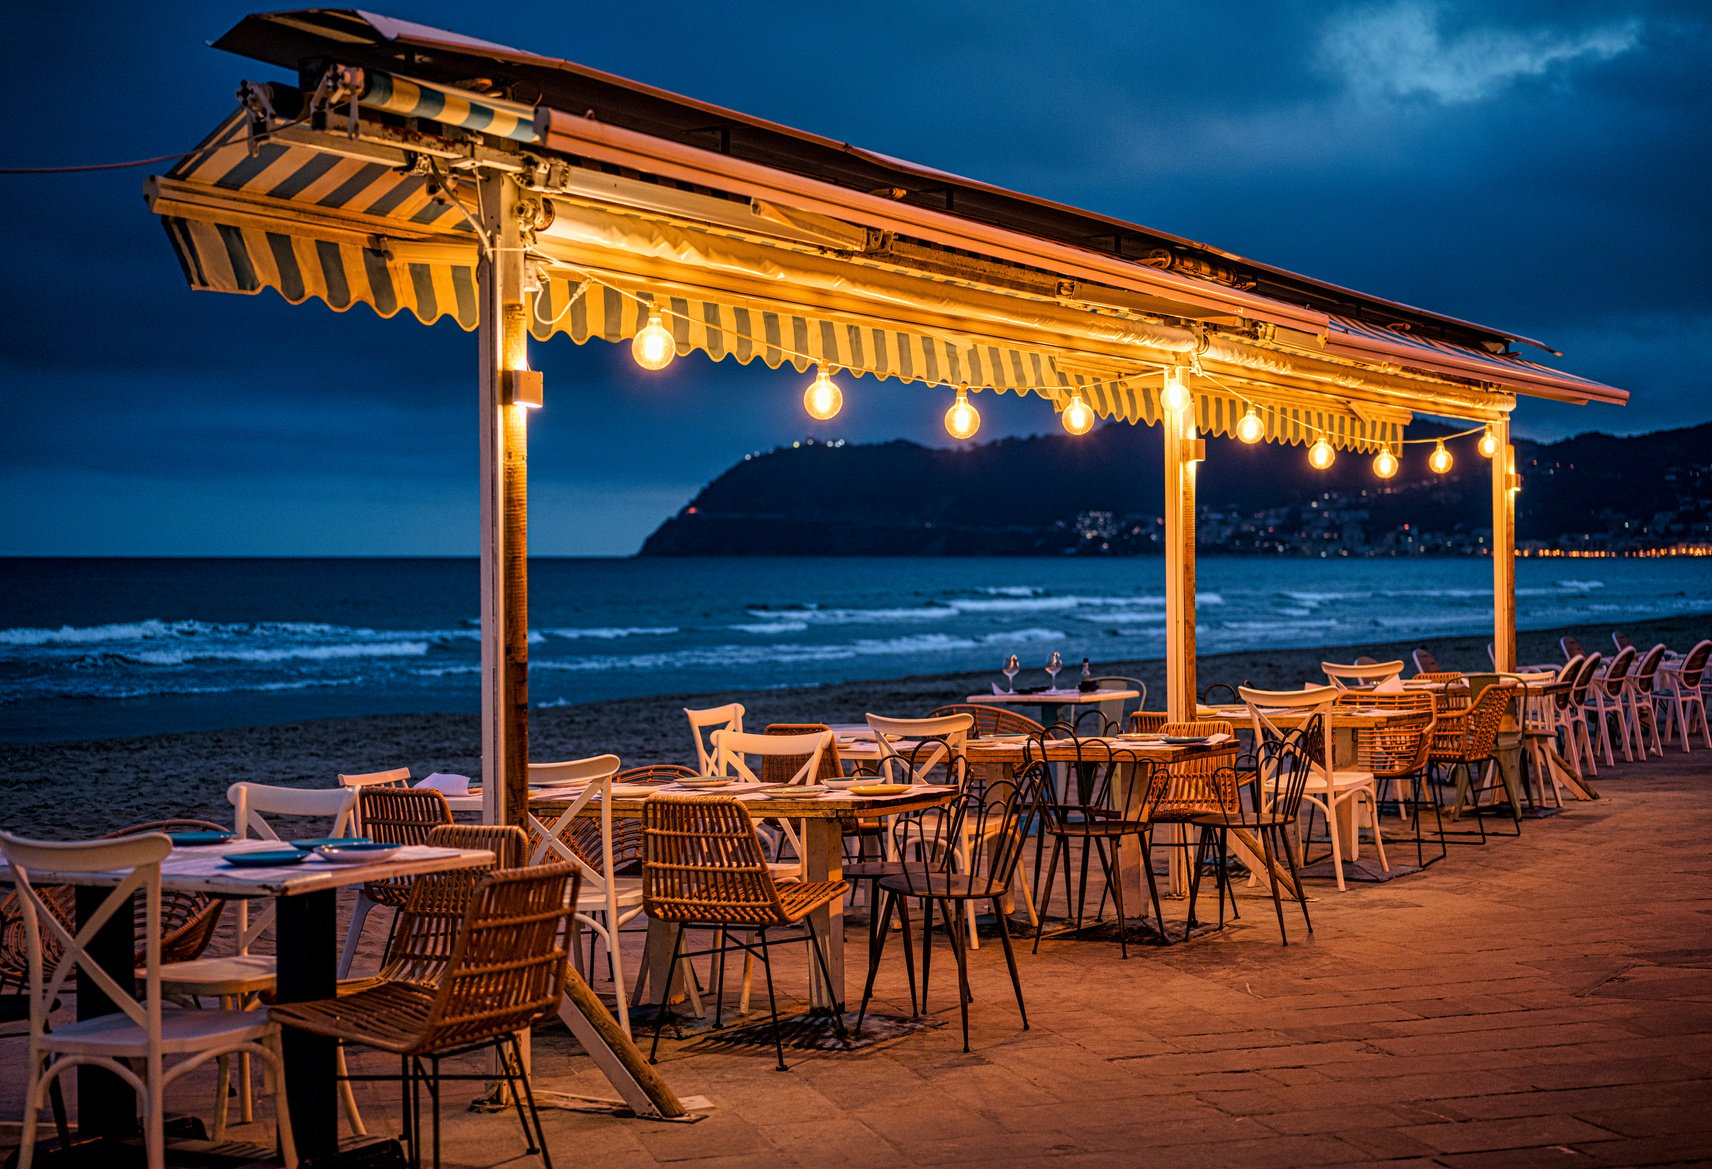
x=1539, y=166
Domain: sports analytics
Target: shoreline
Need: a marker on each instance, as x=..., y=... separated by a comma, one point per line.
x=87, y=787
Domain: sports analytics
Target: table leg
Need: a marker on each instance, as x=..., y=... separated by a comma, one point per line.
x=106, y=1105
x=308, y=957
x=823, y=860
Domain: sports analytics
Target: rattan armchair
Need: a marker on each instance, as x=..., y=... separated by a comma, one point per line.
x=1396, y=755
x=1464, y=748
x=703, y=869
x=506, y=972
x=990, y=719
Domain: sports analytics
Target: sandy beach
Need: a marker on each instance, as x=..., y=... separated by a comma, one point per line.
x=81, y=788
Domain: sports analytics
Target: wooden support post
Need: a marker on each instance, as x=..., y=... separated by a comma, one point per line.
x=1503, y=551
x=1180, y=455
x=504, y=511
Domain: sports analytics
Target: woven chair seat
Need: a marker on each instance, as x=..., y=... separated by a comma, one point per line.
x=797, y=899
x=917, y=881
x=1090, y=829
x=392, y=1016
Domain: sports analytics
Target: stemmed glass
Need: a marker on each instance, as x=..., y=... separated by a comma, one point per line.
x=1013, y=667
x=1053, y=665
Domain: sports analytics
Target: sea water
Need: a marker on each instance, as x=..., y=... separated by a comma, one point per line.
x=93, y=648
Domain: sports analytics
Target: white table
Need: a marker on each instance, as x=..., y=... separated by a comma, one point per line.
x=1052, y=702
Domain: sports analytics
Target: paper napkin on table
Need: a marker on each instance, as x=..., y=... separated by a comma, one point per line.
x=1392, y=685
x=447, y=784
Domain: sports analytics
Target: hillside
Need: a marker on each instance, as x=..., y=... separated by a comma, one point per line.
x=1102, y=494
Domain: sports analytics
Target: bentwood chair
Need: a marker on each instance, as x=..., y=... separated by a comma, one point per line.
x=704, y=724
x=1581, y=709
x=1282, y=767
x=703, y=869
x=991, y=819
x=1571, y=647
x=506, y=973
x=144, y=1042
x=1681, y=696
x=988, y=719
x=1608, y=700
x=389, y=814
x=746, y=759
x=1642, y=717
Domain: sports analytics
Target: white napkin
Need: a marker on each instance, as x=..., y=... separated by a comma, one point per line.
x=451, y=785
x=1391, y=685
x=996, y=689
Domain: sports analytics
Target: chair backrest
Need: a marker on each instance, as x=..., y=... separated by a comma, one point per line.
x=1098, y=780
x=1584, y=678
x=1646, y=673
x=1425, y=662
x=1402, y=744
x=655, y=773
x=571, y=771
x=400, y=815
x=1359, y=673
x=1564, y=693
x=1122, y=682
x=1198, y=785
x=780, y=768
x=1312, y=737
x=590, y=852
x=397, y=777
x=188, y=919
x=1477, y=737
x=938, y=741
x=1621, y=640
x=1441, y=676
x=986, y=825
x=990, y=719
x=702, y=862
x=1148, y=722
x=1222, y=693
x=1571, y=647
x=703, y=725
x=507, y=969
x=732, y=751
x=138, y=859
x=1617, y=673
x=426, y=929
x=1284, y=770
x=1693, y=668
x=253, y=803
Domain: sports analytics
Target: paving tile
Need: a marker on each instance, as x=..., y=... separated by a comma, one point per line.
x=1511, y=1133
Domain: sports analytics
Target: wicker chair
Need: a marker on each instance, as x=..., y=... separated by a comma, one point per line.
x=390, y=815
x=1148, y=722
x=506, y=973
x=1282, y=766
x=990, y=719
x=951, y=881
x=1396, y=755
x=1466, y=742
x=703, y=868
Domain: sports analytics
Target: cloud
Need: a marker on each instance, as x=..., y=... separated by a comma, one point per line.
x=1403, y=50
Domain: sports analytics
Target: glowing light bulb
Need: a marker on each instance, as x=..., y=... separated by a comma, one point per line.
x=1385, y=464
x=962, y=420
x=1440, y=460
x=1251, y=428
x=1175, y=395
x=1489, y=442
x=1077, y=417
x=1321, y=455
x=653, y=347
x=823, y=399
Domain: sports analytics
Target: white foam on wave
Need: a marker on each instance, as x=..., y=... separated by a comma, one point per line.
x=301, y=653
x=155, y=629
x=609, y=633
x=1012, y=591
x=1581, y=586
x=853, y=616
x=727, y=656
x=770, y=628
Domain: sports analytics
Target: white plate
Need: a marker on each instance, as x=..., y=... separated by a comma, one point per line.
x=709, y=782
x=793, y=791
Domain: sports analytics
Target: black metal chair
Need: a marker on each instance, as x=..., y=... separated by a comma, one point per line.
x=1281, y=768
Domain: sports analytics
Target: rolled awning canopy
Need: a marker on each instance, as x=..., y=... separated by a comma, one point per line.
x=759, y=263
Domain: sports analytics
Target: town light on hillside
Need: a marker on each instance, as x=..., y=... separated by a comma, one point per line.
x=1385, y=464
x=1440, y=460
x=653, y=347
x=823, y=399
x=1077, y=417
x=1321, y=455
x=1175, y=395
x=962, y=420
x=1252, y=428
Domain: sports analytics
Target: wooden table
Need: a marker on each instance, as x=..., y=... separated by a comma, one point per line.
x=305, y=938
x=1053, y=702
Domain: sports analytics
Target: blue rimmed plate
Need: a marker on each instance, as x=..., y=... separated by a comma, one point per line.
x=198, y=837
x=267, y=858
x=315, y=842
x=356, y=854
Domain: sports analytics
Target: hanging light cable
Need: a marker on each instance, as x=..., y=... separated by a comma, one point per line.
x=653, y=347
x=823, y=399
x=962, y=420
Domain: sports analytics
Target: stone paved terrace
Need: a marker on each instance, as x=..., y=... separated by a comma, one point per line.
x=1542, y=1001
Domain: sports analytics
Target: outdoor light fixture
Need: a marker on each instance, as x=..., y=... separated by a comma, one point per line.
x=1440, y=460
x=823, y=399
x=653, y=347
x=520, y=387
x=1251, y=429
x=1385, y=463
x=1077, y=417
x=962, y=420
x=1489, y=441
x=1321, y=455
x=1175, y=395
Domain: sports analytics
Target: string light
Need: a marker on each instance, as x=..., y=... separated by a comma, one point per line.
x=1175, y=395
x=1251, y=428
x=962, y=420
x=1385, y=463
x=1489, y=441
x=1440, y=460
x=823, y=399
x=1077, y=417
x=653, y=347
x=1321, y=455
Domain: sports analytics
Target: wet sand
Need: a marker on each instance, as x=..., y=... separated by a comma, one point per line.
x=84, y=788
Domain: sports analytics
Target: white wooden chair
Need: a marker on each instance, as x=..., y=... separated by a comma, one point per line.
x=239, y=980
x=605, y=901
x=136, y=1041
x=732, y=752
x=396, y=777
x=705, y=723
x=1329, y=788
x=1346, y=677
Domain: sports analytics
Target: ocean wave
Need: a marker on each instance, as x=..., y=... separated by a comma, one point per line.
x=769, y=628
x=817, y=616
x=1581, y=586
x=154, y=629
x=303, y=653
x=1012, y=590
x=1036, y=634
x=606, y=633
x=728, y=656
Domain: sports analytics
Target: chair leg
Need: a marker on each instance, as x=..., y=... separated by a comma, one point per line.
x=1046, y=899
x=534, y=1112
x=825, y=975
x=354, y=933
x=772, y=1002
x=1010, y=963
x=1295, y=877
x=434, y=1104
x=876, y=948
x=1271, y=883
x=665, y=993
x=1153, y=886
x=953, y=927
x=1116, y=886
x=348, y=1095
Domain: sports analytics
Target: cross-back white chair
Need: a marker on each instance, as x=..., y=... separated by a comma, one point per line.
x=1345, y=677
x=605, y=901
x=1681, y=697
x=396, y=777
x=238, y=980
x=704, y=724
x=1329, y=787
x=732, y=752
x=940, y=737
x=134, y=1041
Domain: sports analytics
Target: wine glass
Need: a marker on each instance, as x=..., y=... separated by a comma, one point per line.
x=1053, y=665
x=1013, y=667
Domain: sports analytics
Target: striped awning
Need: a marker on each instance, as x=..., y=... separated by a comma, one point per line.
x=315, y=223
